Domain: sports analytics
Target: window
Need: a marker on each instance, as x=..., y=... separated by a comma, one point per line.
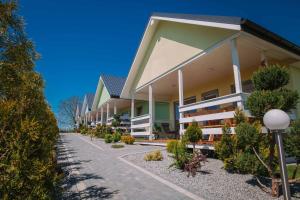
x=189, y=101
x=247, y=86
x=210, y=95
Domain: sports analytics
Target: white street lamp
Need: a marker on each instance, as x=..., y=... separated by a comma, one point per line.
x=277, y=121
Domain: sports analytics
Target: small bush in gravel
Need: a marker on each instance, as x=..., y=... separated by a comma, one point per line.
x=108, y=138
x=193, y=134
x=171, y=145
x=181, y=156
x=117, y=146
x=127, y=139
x=154, y=156
x=116, y=137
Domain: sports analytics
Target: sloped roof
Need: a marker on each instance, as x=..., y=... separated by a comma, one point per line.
x=90, y=99
x=113, y=84
x=245, y=25
x=206, y=18
x=79, y=105
x=225, y=22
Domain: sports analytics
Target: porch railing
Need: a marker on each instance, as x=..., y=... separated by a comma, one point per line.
x=140, y=125
x=222, y=113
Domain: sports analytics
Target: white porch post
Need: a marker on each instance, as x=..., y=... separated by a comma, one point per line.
x=107, y=112
x=236, y=69
x=180, y=88
x=115, y=109
x=102, y=115
x=151, y=119
x=132, y=110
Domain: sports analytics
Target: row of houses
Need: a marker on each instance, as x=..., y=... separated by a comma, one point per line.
x=189, y=68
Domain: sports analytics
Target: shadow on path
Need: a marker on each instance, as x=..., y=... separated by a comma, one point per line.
x=70, y=166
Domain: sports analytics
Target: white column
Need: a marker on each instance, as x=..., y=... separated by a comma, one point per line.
x=150, y=113
x=107, y=112
x=102, y=115
x=115, y=109
x=236, y=69
x=132, y=110
x=181, y=97
x=97, y=116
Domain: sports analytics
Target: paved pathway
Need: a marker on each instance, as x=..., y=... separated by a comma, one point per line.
x=97, y=172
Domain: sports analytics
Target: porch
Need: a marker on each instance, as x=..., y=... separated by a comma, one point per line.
x=104, y=114
x=206, y=88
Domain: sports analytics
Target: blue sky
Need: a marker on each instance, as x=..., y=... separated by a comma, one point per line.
x=80, y=39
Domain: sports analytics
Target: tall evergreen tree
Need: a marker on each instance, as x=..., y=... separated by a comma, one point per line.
x=270, y=93
x=28, y=128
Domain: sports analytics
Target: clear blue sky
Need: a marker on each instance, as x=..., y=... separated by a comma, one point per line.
x=81, y=39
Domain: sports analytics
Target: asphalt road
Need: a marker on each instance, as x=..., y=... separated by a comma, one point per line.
x=95, y=171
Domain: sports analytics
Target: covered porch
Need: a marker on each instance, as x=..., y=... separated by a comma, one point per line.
x=208, y=87
x=104, y=114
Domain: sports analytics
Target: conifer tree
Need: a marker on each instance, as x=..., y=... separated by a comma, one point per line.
x=28, y=128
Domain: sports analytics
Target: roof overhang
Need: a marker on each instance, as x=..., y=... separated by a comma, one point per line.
x=232, y=23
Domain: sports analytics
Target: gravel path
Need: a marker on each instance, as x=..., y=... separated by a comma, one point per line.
x=213, y=183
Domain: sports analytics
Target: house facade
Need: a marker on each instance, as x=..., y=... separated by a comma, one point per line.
x=86, y=108
x=198, y=68
x=107, y=102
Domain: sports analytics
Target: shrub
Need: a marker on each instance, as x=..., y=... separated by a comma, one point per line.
x=153, y=156
x=28, y=127
x=247, y=137
x=181, y=156
x=271, y=77
x=84, y=130
x=229, y=164
x=292, y=144
x=116, y=137
x=108, y=138
x=117, y=146
x=171, y=145
x=100, y=131
x=225, y=148
x=193, y=134
x=195, y=163
x=127, y=139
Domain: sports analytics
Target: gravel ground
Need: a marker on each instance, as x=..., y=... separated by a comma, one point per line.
x=212, y=183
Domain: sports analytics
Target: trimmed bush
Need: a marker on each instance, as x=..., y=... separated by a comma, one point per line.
x=116, y=137
x=154, y=156
x=127, y=139
x=171, y=145
x=117, y=146
x=193, y=134
x=181, y=156
x=108, y=138
x=263, y=79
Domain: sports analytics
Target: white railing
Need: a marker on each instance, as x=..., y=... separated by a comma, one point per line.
x=227, y=99
x=140, y=125
x=109, y=121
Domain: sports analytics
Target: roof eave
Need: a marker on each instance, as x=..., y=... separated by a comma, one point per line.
x=261, y=32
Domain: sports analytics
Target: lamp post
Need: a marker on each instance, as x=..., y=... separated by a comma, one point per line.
x=277, y=121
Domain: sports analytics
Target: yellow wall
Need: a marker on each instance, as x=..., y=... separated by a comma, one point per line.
x=295, y=83
x=174, y=43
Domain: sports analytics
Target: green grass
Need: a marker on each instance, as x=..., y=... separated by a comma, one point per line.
x=290, y=169
x=117, y=146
